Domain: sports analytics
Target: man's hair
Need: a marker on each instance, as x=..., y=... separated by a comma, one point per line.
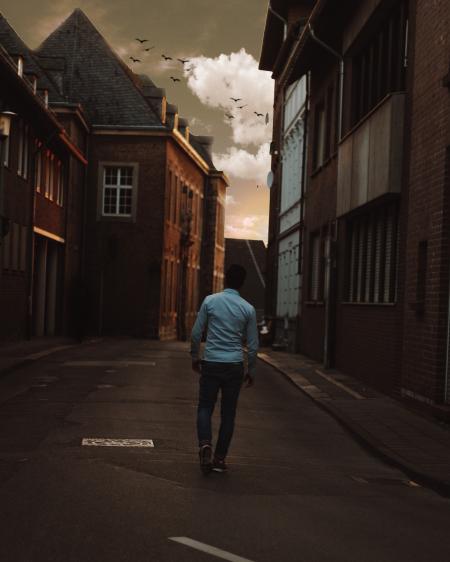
x=235, y=276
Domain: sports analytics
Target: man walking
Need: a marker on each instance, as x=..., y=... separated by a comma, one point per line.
x=230, y=322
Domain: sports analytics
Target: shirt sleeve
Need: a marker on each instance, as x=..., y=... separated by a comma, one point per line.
x=252, y=340
x=197, y=330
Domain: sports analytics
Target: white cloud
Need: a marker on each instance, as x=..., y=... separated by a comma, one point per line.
x=239, y=163
x=230, y=201
x=252, y=227
x=215, y=80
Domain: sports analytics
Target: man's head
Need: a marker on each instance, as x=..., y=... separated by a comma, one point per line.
x=235, y=276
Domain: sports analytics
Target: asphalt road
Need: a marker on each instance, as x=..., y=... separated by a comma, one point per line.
x=299, y=488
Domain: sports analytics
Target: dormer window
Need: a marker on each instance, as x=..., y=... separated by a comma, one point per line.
x=20, y=66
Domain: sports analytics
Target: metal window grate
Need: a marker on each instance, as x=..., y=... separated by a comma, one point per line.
x=372, y=251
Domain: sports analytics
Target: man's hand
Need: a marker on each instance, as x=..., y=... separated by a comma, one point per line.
x=196, y=364
x=248, y=381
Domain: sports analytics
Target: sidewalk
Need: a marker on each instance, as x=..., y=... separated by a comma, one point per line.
x=14, y=355
x=419, y=447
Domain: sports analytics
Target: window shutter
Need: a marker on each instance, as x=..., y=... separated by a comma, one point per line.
x=389, y=257
x=369, y=262
x=378, y=254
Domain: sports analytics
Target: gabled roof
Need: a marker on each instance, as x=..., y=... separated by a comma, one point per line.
x=96, y=77
x=15, y=47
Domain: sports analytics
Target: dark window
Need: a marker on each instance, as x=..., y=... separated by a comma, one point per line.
x=329, y=122
x=372, y=256
x=379, y=67
x=319, y=136
x=316, y=268
x=422, y=259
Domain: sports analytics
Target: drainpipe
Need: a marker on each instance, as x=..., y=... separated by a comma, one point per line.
x=341, y=74
x=285, y=23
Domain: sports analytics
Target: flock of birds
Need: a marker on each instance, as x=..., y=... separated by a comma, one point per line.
x=184, y=62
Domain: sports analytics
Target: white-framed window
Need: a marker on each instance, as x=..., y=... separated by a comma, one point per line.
x=288, y=291
x=117, y=191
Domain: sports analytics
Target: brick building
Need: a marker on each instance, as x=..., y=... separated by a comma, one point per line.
x=40, y=201
x=375, y=293
x=152, y=218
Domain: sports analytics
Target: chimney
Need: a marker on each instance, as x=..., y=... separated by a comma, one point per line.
x=172, y=116
x=206, y=143
x=183, y=127
x=157, y=99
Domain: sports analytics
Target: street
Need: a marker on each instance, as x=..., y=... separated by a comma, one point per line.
x=299, y=489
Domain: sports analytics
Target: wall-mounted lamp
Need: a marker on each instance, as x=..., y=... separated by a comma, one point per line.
x=5, y=123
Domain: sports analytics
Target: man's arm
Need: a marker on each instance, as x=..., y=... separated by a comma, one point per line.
x=252, y=343
x=196, y=335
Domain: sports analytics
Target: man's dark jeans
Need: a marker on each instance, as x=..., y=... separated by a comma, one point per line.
x=228, y=378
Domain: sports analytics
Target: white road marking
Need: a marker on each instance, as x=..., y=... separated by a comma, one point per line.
x=111, y=363
x=105, y=442
x=209, y=549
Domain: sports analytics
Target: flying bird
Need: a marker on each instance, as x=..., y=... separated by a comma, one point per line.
x=149, y=48
x=141, y=40
x=134, y=60
x=183, y=61
x=229, y=116
x=267, y=118
x=242, y=106
x=175, y=79
x=190, y=68
x=166, y=58
x=258, y=114
x=236, y=99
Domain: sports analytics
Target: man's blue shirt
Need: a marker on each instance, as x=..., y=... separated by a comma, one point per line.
x=230, y=322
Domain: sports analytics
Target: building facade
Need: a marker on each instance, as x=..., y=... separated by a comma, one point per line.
x=148, y=212
x=375, y=289
x=40, y=170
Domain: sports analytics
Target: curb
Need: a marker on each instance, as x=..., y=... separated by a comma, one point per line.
x=360, y=435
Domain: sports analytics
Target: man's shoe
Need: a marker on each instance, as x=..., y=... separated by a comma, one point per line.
x=205, y=454
x=219, y=465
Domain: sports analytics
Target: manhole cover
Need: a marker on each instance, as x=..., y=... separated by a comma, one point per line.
x=106, y=442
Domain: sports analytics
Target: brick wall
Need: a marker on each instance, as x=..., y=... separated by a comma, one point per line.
x=424, y=350
x=123, y=257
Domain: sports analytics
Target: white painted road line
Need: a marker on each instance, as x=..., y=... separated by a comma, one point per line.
x=105, y=442
x=209, y=549
x=111, y=363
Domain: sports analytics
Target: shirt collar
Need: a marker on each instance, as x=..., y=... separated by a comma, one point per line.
x=233, y=291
